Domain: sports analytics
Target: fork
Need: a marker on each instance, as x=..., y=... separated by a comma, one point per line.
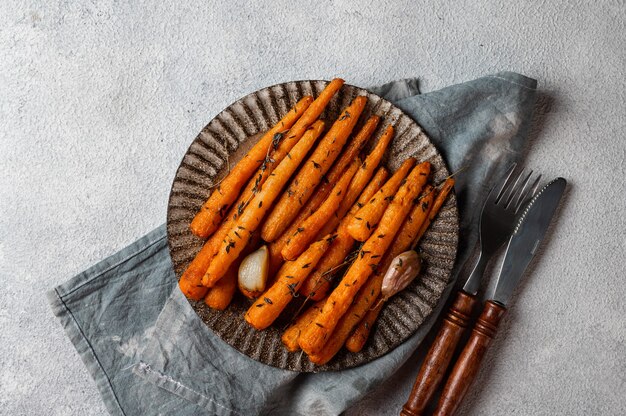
x=497, y=220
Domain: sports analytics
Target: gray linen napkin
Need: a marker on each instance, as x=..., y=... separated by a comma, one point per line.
x=150, y=354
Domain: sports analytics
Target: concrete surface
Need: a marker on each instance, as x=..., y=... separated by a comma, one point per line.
x=99, y=101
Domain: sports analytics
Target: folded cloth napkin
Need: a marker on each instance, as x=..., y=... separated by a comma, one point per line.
x=149, y=353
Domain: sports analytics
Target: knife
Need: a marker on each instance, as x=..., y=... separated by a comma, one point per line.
x=457, y=319
x=521, y=248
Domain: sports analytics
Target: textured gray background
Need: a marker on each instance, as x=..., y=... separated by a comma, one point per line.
x=98, y=103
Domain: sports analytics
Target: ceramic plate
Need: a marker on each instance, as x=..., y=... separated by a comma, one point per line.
x=226, y=139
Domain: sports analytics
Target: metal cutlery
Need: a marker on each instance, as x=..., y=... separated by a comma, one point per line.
x=522, y=247
x=498, y=217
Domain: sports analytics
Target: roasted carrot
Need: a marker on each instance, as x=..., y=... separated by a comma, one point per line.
x=243, y=227
x=316, y=335
x=219, y=296
x=318, y=282
x=369, y=293
x=365, y=220
x=208, y=219
x=271, y=303
x=367, y=169
x=322, y=191
x=190, y=282
x=291, y=334
x=358, y=338
x=353, y=147
x=309, y=229
x=441, y=198
x=311, y=173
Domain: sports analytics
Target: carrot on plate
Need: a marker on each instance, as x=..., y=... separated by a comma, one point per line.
x=358, y=337
x=311, y=173
x=316, y=334
x=222, y=293
x=366, y=170
x=219, y=296
x=271, y=303
x=212, y=212
x=368, y=295
x=366, y=219
x=322, y=192
x=291, y=334
x=308, y=230
x=252, y=215
x=190, y=282
x=318, y=282
x=441, y=197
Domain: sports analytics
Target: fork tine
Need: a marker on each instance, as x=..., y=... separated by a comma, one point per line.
x=494, y=196
x=512, y=191
x=527, y=193
x=523, y=190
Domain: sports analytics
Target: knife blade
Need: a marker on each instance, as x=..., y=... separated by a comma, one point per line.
x=521, y=248
x=526, y=238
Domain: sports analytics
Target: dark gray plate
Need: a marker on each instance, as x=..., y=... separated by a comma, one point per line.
x=228, y=135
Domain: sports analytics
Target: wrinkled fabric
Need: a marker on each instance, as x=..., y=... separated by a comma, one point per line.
x=149, y=353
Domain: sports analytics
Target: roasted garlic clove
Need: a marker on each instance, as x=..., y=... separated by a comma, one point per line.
x=253, y=273
x=403, y=269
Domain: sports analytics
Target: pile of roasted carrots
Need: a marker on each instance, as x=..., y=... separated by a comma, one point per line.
x=310, y=195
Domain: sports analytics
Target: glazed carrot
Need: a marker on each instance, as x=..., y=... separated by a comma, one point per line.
x=291, y=334
x=365, y=220
x=208, y=219
x=367, y=169
x=309, y=229
x=353, y=147
x=243, y=227
x=311, y=173
x=441, y=198
x=369, y=293
x=322, y=192
x=316, y=335
x=219, y=296
x=358, y=338
x=271, y=303
x=318, y=282
x=190, y=282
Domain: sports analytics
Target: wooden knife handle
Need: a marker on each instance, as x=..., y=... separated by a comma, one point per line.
x=467, y=366
x=438, y=358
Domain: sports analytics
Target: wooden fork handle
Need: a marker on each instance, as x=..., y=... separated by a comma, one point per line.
x=468, y=364
x=438, y=358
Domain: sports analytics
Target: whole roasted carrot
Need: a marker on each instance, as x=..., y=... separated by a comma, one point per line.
x=366, y=219
x=318, y=283
x=208, y=219
x=369, y=293
x=311, y=173
x=316, y=335
x=271, y=303
x=252, y=215
x=309, y=229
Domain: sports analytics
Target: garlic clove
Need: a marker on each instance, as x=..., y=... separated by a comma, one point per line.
x=253, y=272
x=403, y=270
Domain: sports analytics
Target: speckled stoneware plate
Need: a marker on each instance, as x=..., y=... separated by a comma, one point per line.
x=227, y=137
